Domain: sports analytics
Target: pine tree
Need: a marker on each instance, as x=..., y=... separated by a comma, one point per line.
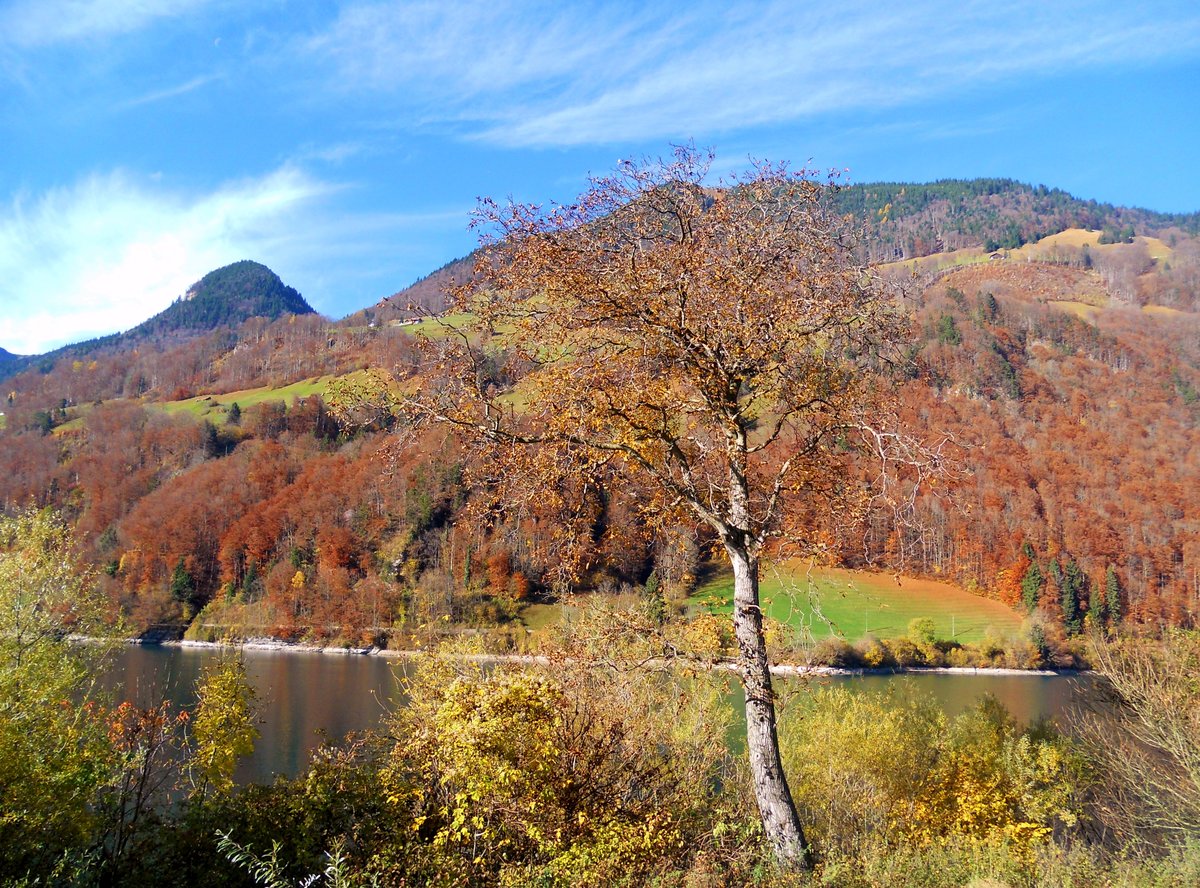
x=1112, y=597
x=1074, y=583
x=183, y=588
x=1031, y=587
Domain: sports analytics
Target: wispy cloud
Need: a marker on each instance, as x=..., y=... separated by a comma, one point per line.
x=538, y=74
x=170, y=92
x=335, y=154
x=37, y=23
x=113, y=249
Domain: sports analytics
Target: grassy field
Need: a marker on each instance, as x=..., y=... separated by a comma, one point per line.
x=1072, y=237
x=850, y=603
x=831, y=601
x=1162, y=310
x=216, y=407
x=1082, y=310
x=938, y=261
x=1079, y=237
x=435, y=328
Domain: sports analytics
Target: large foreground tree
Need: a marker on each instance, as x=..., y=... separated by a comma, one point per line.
x=712, y=345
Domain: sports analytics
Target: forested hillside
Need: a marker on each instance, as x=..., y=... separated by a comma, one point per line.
x=905, y=220
x=225, y=298
x=1067, y=374
x=221, y=300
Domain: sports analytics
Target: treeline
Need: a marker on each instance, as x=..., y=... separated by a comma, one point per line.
x=1076, y=453
x=904, y=220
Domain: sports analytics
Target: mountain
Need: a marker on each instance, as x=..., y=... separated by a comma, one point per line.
x=225, y=298
x=1064, y=375
x=222, y=298
x=904, y=220
x=7, y=358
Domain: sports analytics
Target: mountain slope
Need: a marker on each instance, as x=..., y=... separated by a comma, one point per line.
x=7, y=358
x=905, y=220
x=226, y=297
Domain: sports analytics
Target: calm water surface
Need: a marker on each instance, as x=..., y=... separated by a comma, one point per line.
x=307, y=697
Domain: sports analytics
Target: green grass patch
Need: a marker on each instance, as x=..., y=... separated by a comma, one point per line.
x=437, y=328
x=832, y=601
x=216, y=407
x=538, y=617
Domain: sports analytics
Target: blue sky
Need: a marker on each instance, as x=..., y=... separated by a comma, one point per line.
x=146, y=142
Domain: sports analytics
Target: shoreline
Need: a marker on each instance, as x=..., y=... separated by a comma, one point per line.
x=779, y=669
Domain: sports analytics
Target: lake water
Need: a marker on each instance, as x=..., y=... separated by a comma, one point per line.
x=307, y=697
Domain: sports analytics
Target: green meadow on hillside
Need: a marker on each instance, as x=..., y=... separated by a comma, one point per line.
x=216, y=407
x=832, y=601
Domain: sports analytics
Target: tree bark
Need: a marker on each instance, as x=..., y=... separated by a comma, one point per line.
x=775, y=806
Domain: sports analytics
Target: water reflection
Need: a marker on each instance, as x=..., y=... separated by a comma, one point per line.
x=305, y=697
x=1029, y=698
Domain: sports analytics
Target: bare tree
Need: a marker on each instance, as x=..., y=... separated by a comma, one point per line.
x=1147, y=738
x=713, y=345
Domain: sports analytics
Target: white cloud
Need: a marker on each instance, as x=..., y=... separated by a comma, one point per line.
x=170, y=92
x=538, y=74
x=35, y=23
x=112, y=250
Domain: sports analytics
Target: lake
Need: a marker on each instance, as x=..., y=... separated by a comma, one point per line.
x=306, y=697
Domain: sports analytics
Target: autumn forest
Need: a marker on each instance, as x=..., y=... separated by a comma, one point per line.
x=218, y=468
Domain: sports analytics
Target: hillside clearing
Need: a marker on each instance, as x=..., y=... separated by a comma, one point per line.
x=832, y=601
x=217, y=406
x=1162, y=311
x=1083, y=310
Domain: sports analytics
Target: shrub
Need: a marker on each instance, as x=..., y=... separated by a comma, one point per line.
x=874, y=654
x=836, y=653
x=892, y=768
x=580, y=775
x=905, y=653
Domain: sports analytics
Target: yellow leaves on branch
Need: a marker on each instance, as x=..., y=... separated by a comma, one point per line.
x=896, y=768
x=224, y=727
x=583, y=770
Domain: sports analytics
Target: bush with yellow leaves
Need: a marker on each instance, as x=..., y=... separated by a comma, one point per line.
x=892, y=767
x=574, y=775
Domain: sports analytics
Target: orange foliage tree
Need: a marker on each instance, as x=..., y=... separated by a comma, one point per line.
x=712, y=347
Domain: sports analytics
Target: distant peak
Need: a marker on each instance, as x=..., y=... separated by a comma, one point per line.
x=227, y=296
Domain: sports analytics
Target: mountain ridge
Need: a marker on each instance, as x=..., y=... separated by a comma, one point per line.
x=905, y=220
x=898, y=221
x=225, y=297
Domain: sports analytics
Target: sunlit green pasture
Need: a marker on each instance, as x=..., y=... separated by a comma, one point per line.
x=216, y=407
x=832, y=601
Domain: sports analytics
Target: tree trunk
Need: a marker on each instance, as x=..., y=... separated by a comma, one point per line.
x=775, y=806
